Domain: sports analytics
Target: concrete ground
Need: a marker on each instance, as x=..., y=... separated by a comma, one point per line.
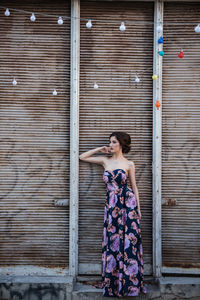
x=167, y=288
x=65, y=288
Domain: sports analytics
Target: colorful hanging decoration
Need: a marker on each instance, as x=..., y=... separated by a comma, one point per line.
x=157, y=104
x=160, y=40
x=89, y=25
x=154, y=77
x=161, y=53
x=181, y=54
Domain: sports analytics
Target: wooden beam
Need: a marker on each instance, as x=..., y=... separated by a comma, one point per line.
x=157, y=142
x=173, y=280
x=177, y=270
x=74, y=136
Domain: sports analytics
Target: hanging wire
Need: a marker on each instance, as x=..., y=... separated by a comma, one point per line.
x=109, y=21
x=100, y=20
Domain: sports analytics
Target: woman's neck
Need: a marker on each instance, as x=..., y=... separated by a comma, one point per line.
x=117, y=156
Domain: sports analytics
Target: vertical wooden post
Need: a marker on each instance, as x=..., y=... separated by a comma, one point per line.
x=74, y=136
x=157, y=141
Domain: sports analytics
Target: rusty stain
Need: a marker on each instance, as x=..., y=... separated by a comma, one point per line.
x=170, y=202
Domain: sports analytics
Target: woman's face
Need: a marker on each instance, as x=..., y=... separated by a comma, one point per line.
x=114, y=144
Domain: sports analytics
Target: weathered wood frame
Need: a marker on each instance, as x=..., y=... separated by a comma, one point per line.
x=74, y=136
x=158, y=269
x=157, y=142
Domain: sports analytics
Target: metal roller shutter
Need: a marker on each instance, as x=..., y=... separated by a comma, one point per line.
x=111, y=58
x=34, y=133
x=181, y=139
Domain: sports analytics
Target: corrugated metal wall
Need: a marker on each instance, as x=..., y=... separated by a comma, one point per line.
x=181, y=138
x=112, y=58
x=34, y=134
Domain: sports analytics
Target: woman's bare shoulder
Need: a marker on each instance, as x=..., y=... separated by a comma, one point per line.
x=131, y=164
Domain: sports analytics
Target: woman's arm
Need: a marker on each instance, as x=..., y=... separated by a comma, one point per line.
x=133, y=183
x=86, y=156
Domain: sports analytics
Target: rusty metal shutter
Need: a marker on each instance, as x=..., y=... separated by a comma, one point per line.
x=34, y=133
x=111, y=58
x=181, y=140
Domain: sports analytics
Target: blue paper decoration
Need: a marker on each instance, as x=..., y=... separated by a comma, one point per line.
x=161, y=53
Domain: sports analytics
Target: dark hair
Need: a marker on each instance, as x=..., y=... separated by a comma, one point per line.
x=124, y=140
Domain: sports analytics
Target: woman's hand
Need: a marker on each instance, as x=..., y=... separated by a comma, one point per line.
x=104, y=149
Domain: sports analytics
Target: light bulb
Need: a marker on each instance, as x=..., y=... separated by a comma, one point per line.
x=60, y=21
x=96, y=86
x=154, y=77
x=122, y=26
x=161, y=53
x=32, y=18
x=55, y=92
x=159, y=28
x=157, y=104
x=89, y=24
x=197, y=28
x=181, y=54
x=137, y=79
x=7, y=12
x=14, y=82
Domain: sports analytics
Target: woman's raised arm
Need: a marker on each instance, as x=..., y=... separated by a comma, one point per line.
x=86, y=156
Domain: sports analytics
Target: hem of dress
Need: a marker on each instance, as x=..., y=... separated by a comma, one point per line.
x=142, y=291
x=101, y=285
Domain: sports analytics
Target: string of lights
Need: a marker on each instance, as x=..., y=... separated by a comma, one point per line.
x=89, y=24
x=89, y=20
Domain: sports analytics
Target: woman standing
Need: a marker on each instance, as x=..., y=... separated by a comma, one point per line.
x=122, y=252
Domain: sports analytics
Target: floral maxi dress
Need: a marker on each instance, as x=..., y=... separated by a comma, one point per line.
x=122, y=252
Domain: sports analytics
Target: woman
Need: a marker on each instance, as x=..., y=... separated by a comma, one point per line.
x=122, y=252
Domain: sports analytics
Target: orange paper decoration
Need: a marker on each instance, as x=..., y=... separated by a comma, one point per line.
x=157, y=104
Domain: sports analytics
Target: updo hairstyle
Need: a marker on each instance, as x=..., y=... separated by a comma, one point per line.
x=124, y=139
